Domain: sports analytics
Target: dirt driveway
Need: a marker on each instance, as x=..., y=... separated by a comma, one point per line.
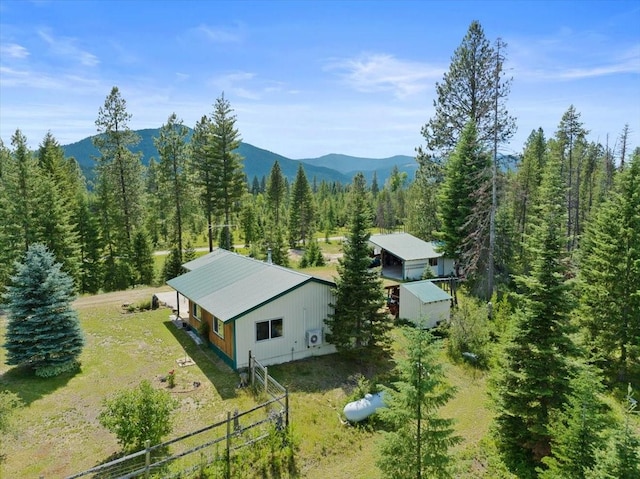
x=130, y=296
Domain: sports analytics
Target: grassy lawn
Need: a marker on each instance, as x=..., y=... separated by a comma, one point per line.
x=57, y=433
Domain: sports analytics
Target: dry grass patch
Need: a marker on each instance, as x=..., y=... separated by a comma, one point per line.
x=56, y=431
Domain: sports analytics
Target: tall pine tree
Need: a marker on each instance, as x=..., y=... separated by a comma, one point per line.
x=202, y=162
x=173, y=180
x=524, y=190
x=18, y=202
x=534, y=379
x=90, y=248
x=419, y=442
x=571, y=146
x=610, y=273
x=301, y=210
x=276, y=193
x=21, y=181
x=579, y=430
x=229, y=183
x=358, y=321
x=464, y=176
x=471, y=91
x=61, y=183
x=119, y=188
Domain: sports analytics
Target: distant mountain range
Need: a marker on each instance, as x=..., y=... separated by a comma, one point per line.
x=258, y=162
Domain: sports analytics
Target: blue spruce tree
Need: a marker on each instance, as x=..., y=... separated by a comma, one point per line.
x=43, y=331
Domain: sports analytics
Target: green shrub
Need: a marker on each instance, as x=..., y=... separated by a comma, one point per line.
x=468, y=332
x=363, y=386
x=204, y=329
x=137, y=415
x=312, y=255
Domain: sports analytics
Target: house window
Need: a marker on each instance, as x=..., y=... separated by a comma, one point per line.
x=197, y=312
x=269, y=329
x=218, y=327
x=433, y=261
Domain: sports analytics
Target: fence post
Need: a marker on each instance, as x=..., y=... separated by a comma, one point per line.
x=286, y=409
x=266, y=380
x=253, y=371
x=147, y=458
x=228, y=470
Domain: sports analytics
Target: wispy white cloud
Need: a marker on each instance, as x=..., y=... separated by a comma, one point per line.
x=66, y=47
x=571, y=69
x=219, y=34
x=40, y=80
x=13, y=50
x=632, y=66
x=383, y=72
x=240, y=84
x=568, y=55
x=12, y=77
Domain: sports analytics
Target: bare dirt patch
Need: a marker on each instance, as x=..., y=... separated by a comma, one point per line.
x=296, y=254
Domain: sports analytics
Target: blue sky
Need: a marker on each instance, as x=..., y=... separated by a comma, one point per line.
x=310, y=78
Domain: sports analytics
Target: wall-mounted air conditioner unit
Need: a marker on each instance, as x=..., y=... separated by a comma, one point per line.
x=314, y=338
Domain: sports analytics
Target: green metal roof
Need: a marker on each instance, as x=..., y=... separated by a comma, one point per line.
x=228, y=284
x=405, y=246
x=426, y=291
x=205, y=259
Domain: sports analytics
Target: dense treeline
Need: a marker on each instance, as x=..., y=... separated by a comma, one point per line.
x=554, y=241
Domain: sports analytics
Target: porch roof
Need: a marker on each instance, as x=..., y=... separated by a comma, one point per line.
x=405, y=246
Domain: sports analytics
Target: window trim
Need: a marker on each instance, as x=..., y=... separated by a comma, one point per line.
x=218, y=327
x=196, y=312
x=270, y=322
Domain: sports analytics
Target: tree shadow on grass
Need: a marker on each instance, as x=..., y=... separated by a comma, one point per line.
x=324, y=373
x=223, y=378
x=22, y=381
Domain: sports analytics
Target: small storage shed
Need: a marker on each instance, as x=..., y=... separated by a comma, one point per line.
x=276, y=313
x=405, y=257
x=423, y=303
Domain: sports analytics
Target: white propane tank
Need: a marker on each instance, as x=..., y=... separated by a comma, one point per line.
x=363, y=408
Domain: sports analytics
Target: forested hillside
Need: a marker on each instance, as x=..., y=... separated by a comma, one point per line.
x=553, y=242
x=258, y=162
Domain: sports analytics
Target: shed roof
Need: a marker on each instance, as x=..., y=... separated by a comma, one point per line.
x=227, y=284
x=405, y=246
x=426, y=291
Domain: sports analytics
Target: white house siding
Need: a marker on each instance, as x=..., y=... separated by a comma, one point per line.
x=413, y=269
x=446, y=267
x=302, y=309
x=415, y=310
